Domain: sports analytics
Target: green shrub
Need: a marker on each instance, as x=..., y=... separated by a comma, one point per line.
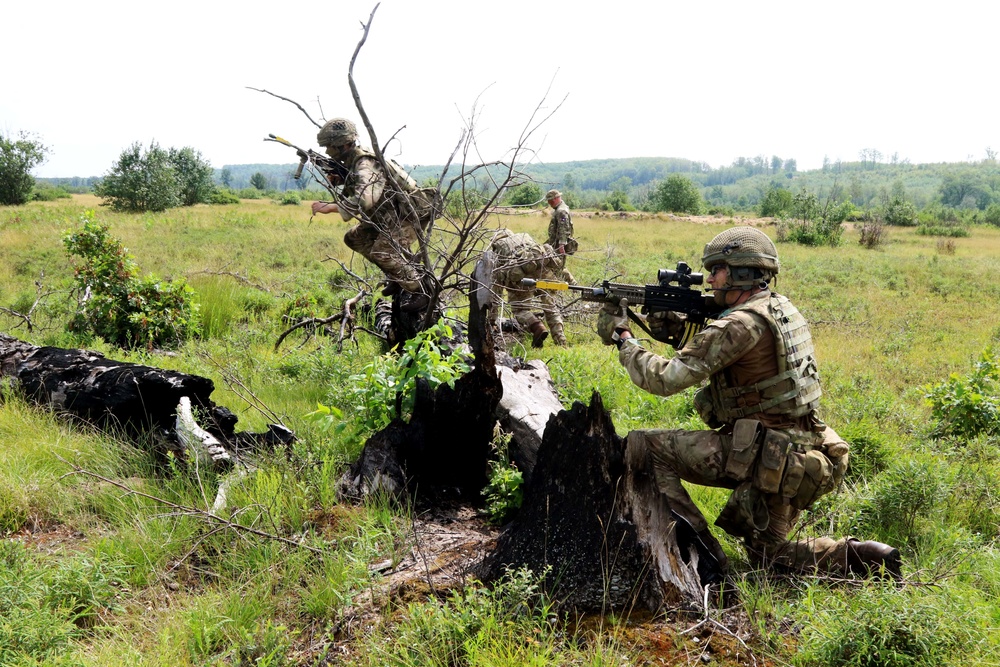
x=386, y=388
x=119, y=306
x=223, y=196
x=677, y=194
x=810, y=232
x=992, y=215
x=777, y=201
x=901, y=497
x=290, y=198
x=951, y=231
x=900, y=213
x=967, y=405
x=48, y=192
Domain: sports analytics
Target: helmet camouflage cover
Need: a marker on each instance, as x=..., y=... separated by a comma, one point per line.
x=742, y=246
x=337, y=132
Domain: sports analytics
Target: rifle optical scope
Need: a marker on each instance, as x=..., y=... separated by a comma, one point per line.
x=681, y=275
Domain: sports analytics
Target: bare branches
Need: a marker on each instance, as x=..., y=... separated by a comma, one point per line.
x=301, y=108
x=345, y=317
x=40, y=294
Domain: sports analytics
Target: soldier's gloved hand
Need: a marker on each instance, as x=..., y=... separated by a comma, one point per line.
x=611, y=321
x=665, y=325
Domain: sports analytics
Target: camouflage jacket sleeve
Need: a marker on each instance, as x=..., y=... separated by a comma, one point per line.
x=365, y=187
x=719, y=345
x=560, y=226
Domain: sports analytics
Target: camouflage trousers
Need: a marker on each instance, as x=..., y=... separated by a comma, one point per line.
x=521, y=305
x=699, y=457
x=562, y=273
x=388, y=249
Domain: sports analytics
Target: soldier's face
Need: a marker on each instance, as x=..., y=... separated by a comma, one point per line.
x=717, y=280
x=555, y=202
x=338, y=152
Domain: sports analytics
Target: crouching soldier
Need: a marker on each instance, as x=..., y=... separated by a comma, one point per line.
x=767, y=444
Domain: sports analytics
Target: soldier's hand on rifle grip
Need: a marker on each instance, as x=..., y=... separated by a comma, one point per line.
x=612, y=321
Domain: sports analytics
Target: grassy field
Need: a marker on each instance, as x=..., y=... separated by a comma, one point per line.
x=91, y=575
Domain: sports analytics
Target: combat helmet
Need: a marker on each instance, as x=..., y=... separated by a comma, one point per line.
x=743, y=247
x=552, y=194
x=337, y=132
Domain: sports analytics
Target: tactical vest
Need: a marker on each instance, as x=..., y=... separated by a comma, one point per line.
x=426, y=203
x=795, y=391
x=519, y=256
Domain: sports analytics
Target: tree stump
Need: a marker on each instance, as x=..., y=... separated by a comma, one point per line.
x=593, y=519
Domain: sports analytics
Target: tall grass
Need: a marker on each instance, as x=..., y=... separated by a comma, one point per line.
x=93, y=575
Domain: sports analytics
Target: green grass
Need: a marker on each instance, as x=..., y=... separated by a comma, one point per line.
x=91, y=575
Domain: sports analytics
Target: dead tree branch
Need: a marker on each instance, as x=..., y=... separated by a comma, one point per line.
x=301, y=108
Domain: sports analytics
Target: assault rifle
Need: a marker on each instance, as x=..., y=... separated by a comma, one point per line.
x=334, y=170
x=673, y=293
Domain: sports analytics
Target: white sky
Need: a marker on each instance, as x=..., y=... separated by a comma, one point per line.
x=706, y=81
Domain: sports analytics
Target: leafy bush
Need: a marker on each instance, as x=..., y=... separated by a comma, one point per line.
x=810, y=232
x=525, y=194
x=386, y=389
x=992, y=215
x=869, y=450
x=900, y=213
x=965, y=406
x=119, y=306
x=902, y=496
x=48, y=192
x=156, y=179
x=951, y=231
x=18, y=156
x=777, y=201
x=677, y=194
x=223, y=196
x=290, y=198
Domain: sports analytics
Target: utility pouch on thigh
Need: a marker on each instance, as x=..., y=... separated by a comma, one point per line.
x=795, y=469
x=771, y=464
x=817, y=479
x=746, y=444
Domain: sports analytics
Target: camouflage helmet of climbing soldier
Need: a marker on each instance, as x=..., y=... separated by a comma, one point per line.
x=337, y=132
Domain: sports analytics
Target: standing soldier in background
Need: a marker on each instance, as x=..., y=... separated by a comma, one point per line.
x=561, y=234
x=767, y=444
x=519, y=256
x=385, y=230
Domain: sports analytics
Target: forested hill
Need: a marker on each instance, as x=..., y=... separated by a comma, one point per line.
x=626, y=183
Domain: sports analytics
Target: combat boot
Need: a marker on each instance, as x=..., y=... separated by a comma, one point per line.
x=873, y=559
x=538, y=334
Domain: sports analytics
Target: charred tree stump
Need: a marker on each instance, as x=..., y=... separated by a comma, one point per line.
x=445, y=447
x=593, y=519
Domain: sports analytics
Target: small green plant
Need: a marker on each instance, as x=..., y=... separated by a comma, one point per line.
x=505, y=490
x=903, y=497
x=119, y=306
x=967, y=405
x=386, y=388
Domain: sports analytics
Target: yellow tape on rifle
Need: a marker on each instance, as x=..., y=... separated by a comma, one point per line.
x=550, y=284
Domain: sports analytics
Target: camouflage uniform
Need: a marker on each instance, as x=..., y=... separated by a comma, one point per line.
x=758, y=360
x=381, y=235
x=560, y=233
x=520, y=256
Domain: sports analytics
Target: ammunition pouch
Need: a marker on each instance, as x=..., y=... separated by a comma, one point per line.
x=745, y=512
x=809, y=476
x=771, y=463
x=571, y=246
x=746, y=444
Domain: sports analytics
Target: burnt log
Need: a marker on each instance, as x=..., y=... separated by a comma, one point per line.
x=124, y=398
x=593, y=519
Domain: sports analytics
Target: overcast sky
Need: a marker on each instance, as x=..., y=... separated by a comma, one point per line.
x=706, y=81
